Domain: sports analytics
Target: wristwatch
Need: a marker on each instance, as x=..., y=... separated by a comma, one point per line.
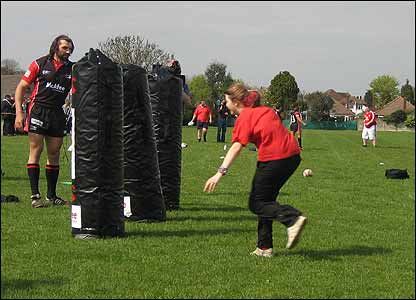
x=222, y=170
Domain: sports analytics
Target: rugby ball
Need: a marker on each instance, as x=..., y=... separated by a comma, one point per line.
x=307, y=173
x=190, y=123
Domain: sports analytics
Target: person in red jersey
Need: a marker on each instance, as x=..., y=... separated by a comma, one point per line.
x=296, y=123
x=370, y=127
x=278, y=158
x=203, y=116
x=45, y=121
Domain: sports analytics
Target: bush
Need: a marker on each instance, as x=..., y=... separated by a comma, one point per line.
x=410, y=120
x=396, y=118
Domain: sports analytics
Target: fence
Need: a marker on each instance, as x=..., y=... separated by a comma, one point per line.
x=327, y=125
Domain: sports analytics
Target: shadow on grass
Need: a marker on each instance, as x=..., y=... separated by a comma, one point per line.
x=188, y=232
x=336, y=254
x=14, y=178
x=24, y=284
x=212, y=218
x=213, y=208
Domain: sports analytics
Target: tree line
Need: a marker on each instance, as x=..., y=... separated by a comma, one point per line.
x=282, y=93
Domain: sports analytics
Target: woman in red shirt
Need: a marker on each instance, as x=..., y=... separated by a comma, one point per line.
x=278, y=158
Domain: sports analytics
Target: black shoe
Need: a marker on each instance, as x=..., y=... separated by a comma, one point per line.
x=56, y=200
x=364, y=145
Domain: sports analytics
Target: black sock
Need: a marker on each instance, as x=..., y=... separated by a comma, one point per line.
x=199, y=139
x=300, y=142
x=205, y=137
x=52, y=173
x=33, y=172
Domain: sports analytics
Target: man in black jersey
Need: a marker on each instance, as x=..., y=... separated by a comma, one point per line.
x=45, y=121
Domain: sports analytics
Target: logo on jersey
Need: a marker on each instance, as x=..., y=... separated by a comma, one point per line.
x=27, y=74
x=45, y=72
x=56, y=87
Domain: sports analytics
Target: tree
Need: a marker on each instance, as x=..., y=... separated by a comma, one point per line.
x=408, y=92
x=199, y=88
x=396, y=118
x=218, y=80
x=284, y=90
x=200, y=91
x=410, y=120
x=369, y=99
x=134, y=50
x=319, y=105
x=384, y=89
x=10, y=66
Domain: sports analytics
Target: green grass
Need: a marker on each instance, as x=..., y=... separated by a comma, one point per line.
x=359, y=243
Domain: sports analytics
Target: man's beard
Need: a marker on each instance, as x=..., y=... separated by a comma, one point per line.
x=63, y=56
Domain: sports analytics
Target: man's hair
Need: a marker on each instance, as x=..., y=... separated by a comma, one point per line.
x=55, y=44
x=174, y=66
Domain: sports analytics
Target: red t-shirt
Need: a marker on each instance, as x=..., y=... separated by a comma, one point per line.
x=370, y=119
x=202, y=113
x=262, y=127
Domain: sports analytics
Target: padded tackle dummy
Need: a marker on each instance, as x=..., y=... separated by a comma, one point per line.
x=165, y=97
x=143, y=200
x=97, y=155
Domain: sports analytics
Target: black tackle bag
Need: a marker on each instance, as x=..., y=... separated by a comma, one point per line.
x=143, y=199
x=97, y=157
x=166, y=101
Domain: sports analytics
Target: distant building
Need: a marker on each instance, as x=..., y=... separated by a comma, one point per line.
x=397, y=104
x=345, y=105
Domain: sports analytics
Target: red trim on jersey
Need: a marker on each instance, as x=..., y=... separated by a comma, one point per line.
x=31, y=74
x=29, y=108
x=57, y=65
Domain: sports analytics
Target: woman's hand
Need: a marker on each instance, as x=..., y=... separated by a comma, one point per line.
x=212, y=183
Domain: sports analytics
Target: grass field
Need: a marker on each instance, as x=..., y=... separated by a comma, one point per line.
x=359, y=243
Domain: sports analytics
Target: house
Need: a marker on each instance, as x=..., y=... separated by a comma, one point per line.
x=339, y=111
x=357, y=104
x=397, y=104
x=346, y=105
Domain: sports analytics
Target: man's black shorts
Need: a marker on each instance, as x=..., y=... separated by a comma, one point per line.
x=294, y=127
x=46, y=121
x=201, y=125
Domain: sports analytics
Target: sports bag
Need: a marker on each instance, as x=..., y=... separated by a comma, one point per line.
x=396, y=174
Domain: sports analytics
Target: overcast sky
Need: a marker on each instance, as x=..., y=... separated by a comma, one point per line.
x=338, y=45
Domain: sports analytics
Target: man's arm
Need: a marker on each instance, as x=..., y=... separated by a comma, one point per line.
x=299, y=119
x=18, y=98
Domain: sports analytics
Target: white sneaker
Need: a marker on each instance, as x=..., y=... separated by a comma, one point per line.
x=294, y=231
x=264, y=253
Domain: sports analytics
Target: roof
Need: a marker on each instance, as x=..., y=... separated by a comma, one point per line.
x=358, y=100
x=397, y=104
x=339, y=110
x=337, y=96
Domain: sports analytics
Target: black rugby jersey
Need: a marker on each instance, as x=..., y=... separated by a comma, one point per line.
x=52, y=82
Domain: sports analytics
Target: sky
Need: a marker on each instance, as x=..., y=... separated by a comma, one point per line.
x=324, y=45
